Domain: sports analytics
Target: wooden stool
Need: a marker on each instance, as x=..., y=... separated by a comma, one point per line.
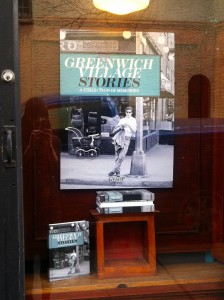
x=125, y=244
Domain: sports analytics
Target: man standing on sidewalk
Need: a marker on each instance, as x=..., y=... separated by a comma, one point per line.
x=125, y=129
x=72, y=261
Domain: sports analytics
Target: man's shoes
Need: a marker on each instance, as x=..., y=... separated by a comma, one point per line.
x=112, y=173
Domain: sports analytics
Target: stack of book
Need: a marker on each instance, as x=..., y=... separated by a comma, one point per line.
x=125, y=201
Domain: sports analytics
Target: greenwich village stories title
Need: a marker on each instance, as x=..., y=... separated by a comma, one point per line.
x=67, y=238
x=109, y=72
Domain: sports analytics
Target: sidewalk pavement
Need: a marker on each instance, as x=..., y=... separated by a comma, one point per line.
x=92, y=173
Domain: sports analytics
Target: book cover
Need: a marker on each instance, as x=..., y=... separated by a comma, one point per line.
x=137, y=194
x=114, y=196
x=68, y=245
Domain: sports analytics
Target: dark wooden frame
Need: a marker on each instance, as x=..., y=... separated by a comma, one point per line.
x=11, y=226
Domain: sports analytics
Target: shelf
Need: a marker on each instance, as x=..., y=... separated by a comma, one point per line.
x=172, y=281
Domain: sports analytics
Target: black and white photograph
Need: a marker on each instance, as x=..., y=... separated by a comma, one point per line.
x=117, y=109
x=68, y=250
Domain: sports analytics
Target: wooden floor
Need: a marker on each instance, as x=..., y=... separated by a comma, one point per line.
x=172, y=281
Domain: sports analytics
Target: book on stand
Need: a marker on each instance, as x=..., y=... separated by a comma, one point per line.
x=68, y=245
x=127, y=209
x=124, y=201
x=124, y=195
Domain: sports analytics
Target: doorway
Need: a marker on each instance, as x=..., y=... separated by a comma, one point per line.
x=199, y=90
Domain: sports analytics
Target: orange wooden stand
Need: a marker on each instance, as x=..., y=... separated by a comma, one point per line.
x=125, y=244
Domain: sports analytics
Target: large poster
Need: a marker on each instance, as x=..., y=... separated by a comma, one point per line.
x=117, y=109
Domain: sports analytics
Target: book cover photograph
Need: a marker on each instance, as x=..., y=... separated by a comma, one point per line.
x=68, y=246
x=117, y=109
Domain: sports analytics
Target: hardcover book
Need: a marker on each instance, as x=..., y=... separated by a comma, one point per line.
x=109, y=196
x=125, y=195
x=125, y=206
x=68, y=245
x=124, y=203
x=139, y=194
x=126, y=209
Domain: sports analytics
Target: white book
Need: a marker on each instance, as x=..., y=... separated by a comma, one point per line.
x=124, y=203
x=119, y=210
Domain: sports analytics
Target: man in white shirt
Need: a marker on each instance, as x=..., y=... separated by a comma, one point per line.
x=72, y=261
x=125, y=129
